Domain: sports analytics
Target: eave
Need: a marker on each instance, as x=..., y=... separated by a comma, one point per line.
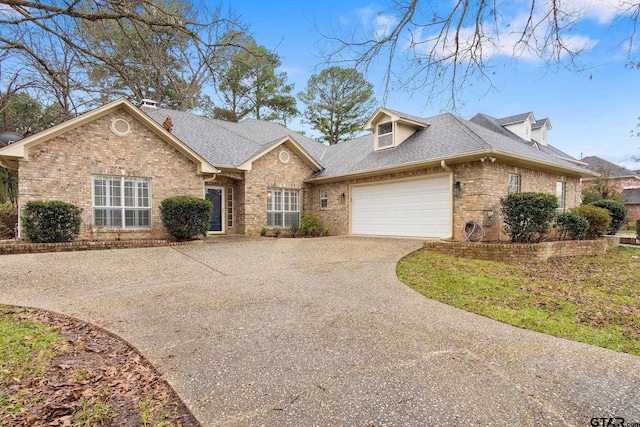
x=247, y=165
x=501, y=156
x=13, y=153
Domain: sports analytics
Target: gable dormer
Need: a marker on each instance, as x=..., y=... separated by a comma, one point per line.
x=520, y=124
x=539, y=131
x=390, y=128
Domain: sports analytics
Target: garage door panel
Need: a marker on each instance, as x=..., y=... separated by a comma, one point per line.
x=415, y=208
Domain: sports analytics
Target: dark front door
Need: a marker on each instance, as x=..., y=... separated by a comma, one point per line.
x=214, y=195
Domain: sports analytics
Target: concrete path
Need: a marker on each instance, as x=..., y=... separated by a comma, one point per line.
x=319, y=332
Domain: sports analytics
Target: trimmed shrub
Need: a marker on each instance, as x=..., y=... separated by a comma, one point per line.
x=617, y=211
x=598, y=219
x=638, y=229
x=50, y=222
x=572, y=226
x=528, y=216
x=186, y=217
x=310, y=226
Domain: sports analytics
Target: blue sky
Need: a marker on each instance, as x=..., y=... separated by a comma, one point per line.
x=592, y=111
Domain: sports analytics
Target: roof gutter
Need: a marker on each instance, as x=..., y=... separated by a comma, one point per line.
x=524, y=161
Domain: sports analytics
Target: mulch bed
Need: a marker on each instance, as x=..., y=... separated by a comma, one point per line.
x=92, y=367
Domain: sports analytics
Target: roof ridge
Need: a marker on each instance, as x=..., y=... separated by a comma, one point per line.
x=465, y=127
x=214, y=122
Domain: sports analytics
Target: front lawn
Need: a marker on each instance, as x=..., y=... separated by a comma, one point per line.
x=591, y=300
x=59, y=371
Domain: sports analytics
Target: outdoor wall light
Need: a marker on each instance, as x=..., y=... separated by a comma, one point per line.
x=456, y=189
x=343, y=197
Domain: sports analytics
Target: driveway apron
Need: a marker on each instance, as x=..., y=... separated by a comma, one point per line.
x=320, y=332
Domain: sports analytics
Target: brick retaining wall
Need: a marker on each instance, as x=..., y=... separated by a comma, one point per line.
x=526, y=253
x=21, y=247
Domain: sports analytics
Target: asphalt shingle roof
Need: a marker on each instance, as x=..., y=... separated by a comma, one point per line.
x=514, y=119
x=539, y=123
x=631, y=195
x=446, y=137
x=229, y=144
x=601, y=166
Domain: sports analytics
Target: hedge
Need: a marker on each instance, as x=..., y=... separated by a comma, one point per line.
x=186, y=217
x=50, y=222
x=528, y=216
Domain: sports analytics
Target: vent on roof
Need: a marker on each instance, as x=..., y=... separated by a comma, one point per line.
x=148, y=104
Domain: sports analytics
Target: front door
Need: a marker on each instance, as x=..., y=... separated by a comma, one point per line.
x=214, y=195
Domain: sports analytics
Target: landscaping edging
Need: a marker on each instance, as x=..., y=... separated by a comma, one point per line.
x=21, y=247
x=527, y=253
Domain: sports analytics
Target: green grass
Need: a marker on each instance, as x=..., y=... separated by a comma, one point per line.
x=592, y=300
x=25, y=349
x=155, y=411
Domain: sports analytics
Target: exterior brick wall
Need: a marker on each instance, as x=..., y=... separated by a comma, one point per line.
x=631, y=182
x=634, y=212
x=482, y=184
x=269, y=172
x=19, y=247
x=62, y=169
x=525, y=253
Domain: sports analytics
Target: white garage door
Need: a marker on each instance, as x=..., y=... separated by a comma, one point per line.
x=414, y=208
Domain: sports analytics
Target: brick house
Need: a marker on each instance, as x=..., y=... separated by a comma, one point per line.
x=627, y=182
x=411, y=176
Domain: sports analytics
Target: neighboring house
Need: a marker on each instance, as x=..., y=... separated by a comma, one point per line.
x=623, y=177
x=632, y=202
x=412, y=176
x=627, y=181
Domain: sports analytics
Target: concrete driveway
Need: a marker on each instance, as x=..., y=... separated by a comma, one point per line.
x=319, y=332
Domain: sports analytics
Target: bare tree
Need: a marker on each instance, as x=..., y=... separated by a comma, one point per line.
x=161, y=49
x=444, y=46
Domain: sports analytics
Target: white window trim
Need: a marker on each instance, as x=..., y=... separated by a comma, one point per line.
x=122, y=206
x=562, y=198
x=282, y=210
x=324, y=197
x=391, y=133
x=229, y=205
x=510, y=183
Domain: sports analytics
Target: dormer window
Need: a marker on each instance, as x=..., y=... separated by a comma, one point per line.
x=385, y=135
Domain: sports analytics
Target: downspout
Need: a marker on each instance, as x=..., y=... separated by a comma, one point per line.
x=446, y=167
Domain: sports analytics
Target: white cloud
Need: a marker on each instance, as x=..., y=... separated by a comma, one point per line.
x=383, y=24
x=603, y=11
x=506, y=38
x=8, y=12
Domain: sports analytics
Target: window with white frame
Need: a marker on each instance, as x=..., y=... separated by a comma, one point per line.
x=385, y=135
x=324, y=199
x=283, y=207
x=560, y=194
x=121, y=202
x=229, y=203
x=513, y=185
